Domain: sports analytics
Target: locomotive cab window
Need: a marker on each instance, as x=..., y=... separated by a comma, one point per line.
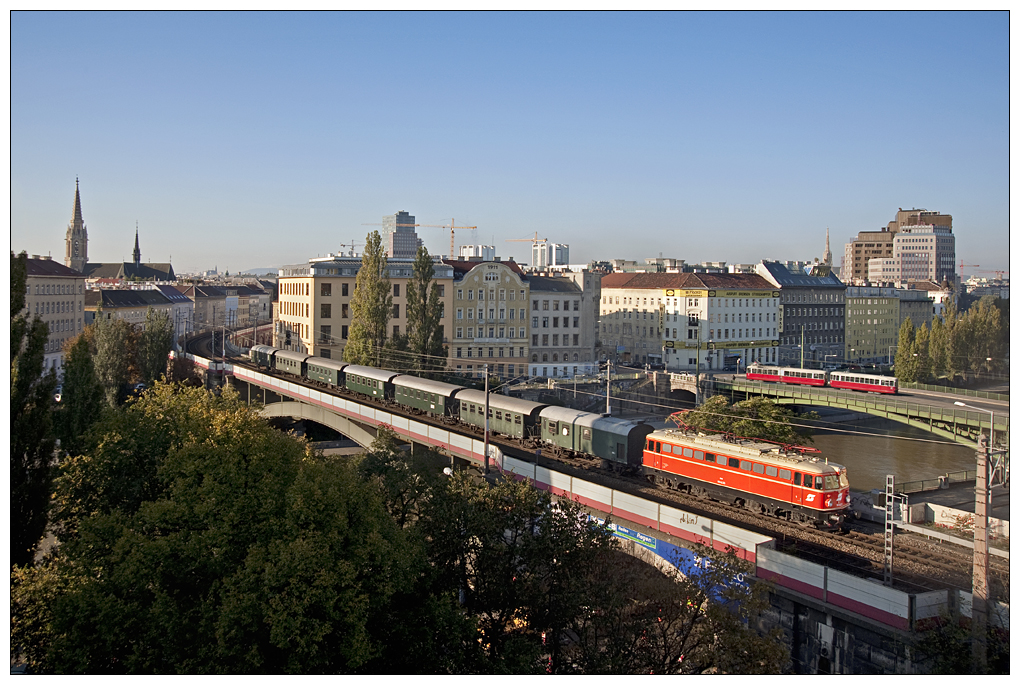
x=831, y=482
x=796, y=479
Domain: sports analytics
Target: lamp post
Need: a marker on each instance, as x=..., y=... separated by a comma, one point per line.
x=982, y=503
x=888, y=357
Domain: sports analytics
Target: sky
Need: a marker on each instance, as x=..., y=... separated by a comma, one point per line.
x=253, y=140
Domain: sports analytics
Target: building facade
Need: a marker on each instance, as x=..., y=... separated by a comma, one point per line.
x=313, y=310
x=917, y=245
x=56, y=294
x=490, y=318
x=545, y=255
x=812, y=314
x=873, y=318
x=399, y=239
x=563, y=314
x=128, y=305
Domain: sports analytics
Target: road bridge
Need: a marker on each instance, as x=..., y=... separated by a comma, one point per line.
x=931, y=413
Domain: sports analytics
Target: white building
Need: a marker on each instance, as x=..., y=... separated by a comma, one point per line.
x=487, y=253
x=545, y=255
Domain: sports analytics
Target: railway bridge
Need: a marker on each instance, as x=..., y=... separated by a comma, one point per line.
x=941, y=418
x=841, y=622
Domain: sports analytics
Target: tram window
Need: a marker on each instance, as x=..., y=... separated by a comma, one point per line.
x=745, y=465
x=734, y=463
x=796, y=479
x=771, y=471
x=699, y=455
x=784, y=474
x=667, y=448
x=688, y=452
x=758, y=468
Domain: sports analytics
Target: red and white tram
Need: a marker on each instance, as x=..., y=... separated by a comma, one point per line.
x=764, y=477
x=844, y=380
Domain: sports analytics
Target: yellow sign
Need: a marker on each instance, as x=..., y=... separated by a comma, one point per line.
x=689, y=344
x=743, y=293
x=686, y=293
x=736, y=344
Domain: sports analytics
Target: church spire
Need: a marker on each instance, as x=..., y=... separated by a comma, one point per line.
x=827, y=256
x=137, y=252
x=76, y=219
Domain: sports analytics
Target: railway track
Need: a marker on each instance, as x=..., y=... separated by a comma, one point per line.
x=919, y=565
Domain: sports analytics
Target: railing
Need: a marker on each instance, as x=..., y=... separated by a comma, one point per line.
x=980, y=394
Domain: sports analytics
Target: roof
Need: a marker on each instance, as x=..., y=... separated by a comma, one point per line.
x=497, y=401
x=552, y=284
x=125, y=298
x=172, y=293
x=660, y=281
x=787, y=279
x=462, y=266
x=48, y=267
x=151, y=271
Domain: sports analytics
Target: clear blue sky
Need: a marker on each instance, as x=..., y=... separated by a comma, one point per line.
x=255, y=140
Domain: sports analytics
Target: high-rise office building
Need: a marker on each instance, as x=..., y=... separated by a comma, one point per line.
x=545, y=255
x=399, y=239
x=916, y=245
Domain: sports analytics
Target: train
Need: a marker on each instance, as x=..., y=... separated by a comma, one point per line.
x=770, y=479
x=843, y=380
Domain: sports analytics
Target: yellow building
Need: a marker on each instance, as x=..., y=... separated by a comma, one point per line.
x=313, y=314
x=56, y=294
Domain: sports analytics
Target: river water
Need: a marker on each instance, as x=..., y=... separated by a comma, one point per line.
x=868, y=459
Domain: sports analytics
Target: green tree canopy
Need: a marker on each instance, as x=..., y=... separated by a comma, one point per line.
x=754, y=418
x=154, y=345
x=371, y=306
x=424, y=317
x=233, y=549
x=114, y=355
x=31, y=421
x=81, y=400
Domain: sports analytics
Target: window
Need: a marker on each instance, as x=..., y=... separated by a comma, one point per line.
x=396, y=310
x=326, y=311
x=442, y=290
x=396, y=290
x=326, y=289
x=343, y=332
x=796, y=478
x=343, y=289
x=396, y=331
x=343, y=311
x=734, y=463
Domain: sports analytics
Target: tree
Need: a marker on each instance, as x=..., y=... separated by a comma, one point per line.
x=231, y=548
x=424, y=317
x=154, y=345
x=906, y=362
x=921, y=350
x=31, y=421
x=82, y=396
x=371, y=306
x=113, y=356
x=754, y=418
x=938, y=342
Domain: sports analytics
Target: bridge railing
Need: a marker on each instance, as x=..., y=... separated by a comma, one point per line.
x=980, y=394
x=876, y=403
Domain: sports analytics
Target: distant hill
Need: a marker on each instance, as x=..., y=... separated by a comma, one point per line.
x=262, y=271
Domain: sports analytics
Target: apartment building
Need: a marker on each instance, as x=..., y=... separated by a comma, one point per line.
x=490, y=318
x=563, y=312
x=313, y=310
x=55, y=294
x=874, y=315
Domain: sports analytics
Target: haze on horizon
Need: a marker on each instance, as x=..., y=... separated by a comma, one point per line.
x=246, y=140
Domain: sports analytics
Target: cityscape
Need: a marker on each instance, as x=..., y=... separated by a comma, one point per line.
x=295, y=331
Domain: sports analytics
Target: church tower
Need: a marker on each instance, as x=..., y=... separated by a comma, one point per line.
x=137, y=253
x=76, y=250
x=827, y=256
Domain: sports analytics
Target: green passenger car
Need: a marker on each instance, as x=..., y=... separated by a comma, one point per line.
x=431, y=397
x=329, y=371
x=369, y=381
x=290, y=362
x=507, y=415
x=262, y=355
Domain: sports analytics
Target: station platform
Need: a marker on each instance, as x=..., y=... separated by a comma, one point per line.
x=961, y=496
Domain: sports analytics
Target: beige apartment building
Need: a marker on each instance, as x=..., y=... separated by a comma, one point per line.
x=564, y=314
x=873, y=319
x=56, y=294
x=313, y=314
x=490, y=318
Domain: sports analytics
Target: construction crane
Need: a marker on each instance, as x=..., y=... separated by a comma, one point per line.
x=998, y=272
x=450, y=226
x=536, y=239
x=963, y=265
x=351, y=245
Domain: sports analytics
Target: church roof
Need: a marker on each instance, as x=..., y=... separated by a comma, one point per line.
x=153, y=271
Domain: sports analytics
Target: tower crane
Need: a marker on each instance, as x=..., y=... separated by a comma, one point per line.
x=534, y=241
x=351, y=245
x=963, y=265
x=450, y=226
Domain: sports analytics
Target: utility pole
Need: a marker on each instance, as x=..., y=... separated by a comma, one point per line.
x=979, y=589
x=802, y=347
x=609, y=371
x=485, y=442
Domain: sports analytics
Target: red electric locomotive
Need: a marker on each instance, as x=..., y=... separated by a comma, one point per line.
x=787, y=481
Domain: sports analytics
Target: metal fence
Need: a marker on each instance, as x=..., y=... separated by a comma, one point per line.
x=936, y=483
x=980, y=394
